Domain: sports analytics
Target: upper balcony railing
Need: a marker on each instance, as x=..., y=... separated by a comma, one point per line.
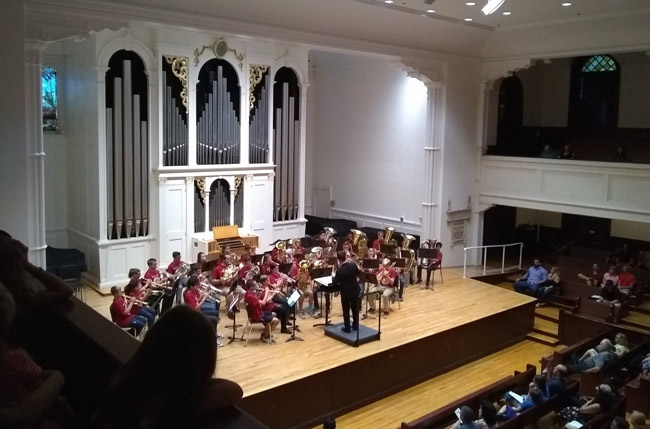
x=590, y=188
x=510, y=259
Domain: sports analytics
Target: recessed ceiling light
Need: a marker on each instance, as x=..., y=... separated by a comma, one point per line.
x=507, y=13
x=431, y=11
x=470, y=3
x=468, y=19
x=388, y=1
x=566, y=4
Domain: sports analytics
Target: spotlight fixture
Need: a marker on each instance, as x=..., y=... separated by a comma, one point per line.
x=492, y=6
x=431, y=11
x=507, y=13
x=388, y=1
x=470, y=3
x=468, y=19
x=566, y=4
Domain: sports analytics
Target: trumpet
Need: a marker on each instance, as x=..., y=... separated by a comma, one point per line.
x=384, y=274
x=211, y=292
x=136, y=301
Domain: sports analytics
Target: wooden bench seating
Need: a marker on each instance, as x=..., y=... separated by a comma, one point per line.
x=532, y=415
x=637, y=395
x=445, y=416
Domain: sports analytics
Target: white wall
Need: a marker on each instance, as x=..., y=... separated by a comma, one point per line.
x=460, y=153
x=368, y=136
x=634, y=103
x=630, y=230
x=13, y=162
x=56, y=189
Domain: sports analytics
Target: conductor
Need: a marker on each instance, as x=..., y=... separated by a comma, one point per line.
x=347, y=282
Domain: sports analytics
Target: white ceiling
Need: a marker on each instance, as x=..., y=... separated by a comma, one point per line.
x=523, y=12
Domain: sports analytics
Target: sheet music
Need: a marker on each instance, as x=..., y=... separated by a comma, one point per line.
x=293, y=298
x=325, y=281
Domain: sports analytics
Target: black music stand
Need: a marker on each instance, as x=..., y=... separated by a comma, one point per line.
x=316, y=274
x=232, y=308
x=387, y=249
x=332, y=261
x=363, y=335
x=285, y=268
x=257, y=259
x=295, y=327
x=427, y=254
x=370, y=278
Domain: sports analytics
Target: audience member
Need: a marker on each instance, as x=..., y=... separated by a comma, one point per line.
x=488, y=415
x=329, y=423
x=539, y=381
x=466, y=419
x=567, y=153
x=549, y=287
x=548, y=152
x=638, y=420
x=611, y=275
x=31, y=287
x=621, y=156
x=621, y=345
x=531, y=281
x=601, y=403
x=610, y=294
x=596, y=277
x=512, y=407
x=557, y=380
x=168, y=382
x=29, y=395
x=619, y=423
x=594, y=362
x=626, y=281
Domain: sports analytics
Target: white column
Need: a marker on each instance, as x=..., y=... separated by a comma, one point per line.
x=232, y=205
x=189, y=212
x=102, y=192
x=431, y=205
x=244, y=116
x=35, y=153
x=303, y=145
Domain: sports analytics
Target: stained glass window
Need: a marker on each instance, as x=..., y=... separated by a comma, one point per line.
x=599, y=63
x=49, y=84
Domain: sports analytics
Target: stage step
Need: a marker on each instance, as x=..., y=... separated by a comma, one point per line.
x=546, y=327
x=637, y=319
x=543, y=339
x=643, y=308
x=552, y=314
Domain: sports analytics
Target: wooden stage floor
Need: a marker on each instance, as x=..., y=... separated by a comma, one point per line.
x=433, y=332
x=260, y=367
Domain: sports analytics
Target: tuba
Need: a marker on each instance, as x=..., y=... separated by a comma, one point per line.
x=360, y=239
x=407, y=239
x=281, y=246
x=388, y=236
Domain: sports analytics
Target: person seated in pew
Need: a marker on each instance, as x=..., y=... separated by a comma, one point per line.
x=626, y=281
x=601, y=403
x=595, y=362
x=539, y=381
x=619, y=423
x=512, y=407
x=556, y=379
x=638, y=420
x=531, y=281
x=595, y=278
x=620, y=347
x=610, y=294
x=466, y=419
x=548, y=288
x=611, y=275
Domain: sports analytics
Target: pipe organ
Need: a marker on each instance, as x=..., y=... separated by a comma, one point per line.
x=216, y=141
x=259, y=115
x=174, y=111
x=127, y=146
x=286, y=145
x=218, y=125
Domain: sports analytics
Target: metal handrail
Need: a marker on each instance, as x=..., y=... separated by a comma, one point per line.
x=485, y=248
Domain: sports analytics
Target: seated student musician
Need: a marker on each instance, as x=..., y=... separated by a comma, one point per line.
x=174, y=264
x=139, y=291
x=429, y=264
x=531, y=281
x=278, y=305
x=379, y=241
x=256, y=314
x=168, y=382
x=595, y=278
x=122, y=314
x=198, y=301
x=385, y=286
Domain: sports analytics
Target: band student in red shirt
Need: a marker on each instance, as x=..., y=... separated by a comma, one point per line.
x=198, y=301
x=379, y=241
x=175, y=263
x=256, y=314
x=152, y=272
x=121, y=311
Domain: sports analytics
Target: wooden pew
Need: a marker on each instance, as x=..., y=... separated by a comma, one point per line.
x=532, y=415
x=445, y=416
x=637, y=395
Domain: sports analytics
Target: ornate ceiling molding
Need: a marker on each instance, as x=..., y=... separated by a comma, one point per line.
x=495, y=70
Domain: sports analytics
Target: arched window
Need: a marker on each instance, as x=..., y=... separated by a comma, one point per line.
x=50, y=99
x=593, y=103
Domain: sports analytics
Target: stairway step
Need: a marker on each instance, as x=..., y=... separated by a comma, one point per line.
x=543, y=339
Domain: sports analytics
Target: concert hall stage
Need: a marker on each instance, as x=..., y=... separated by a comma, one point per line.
x=298, y=383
